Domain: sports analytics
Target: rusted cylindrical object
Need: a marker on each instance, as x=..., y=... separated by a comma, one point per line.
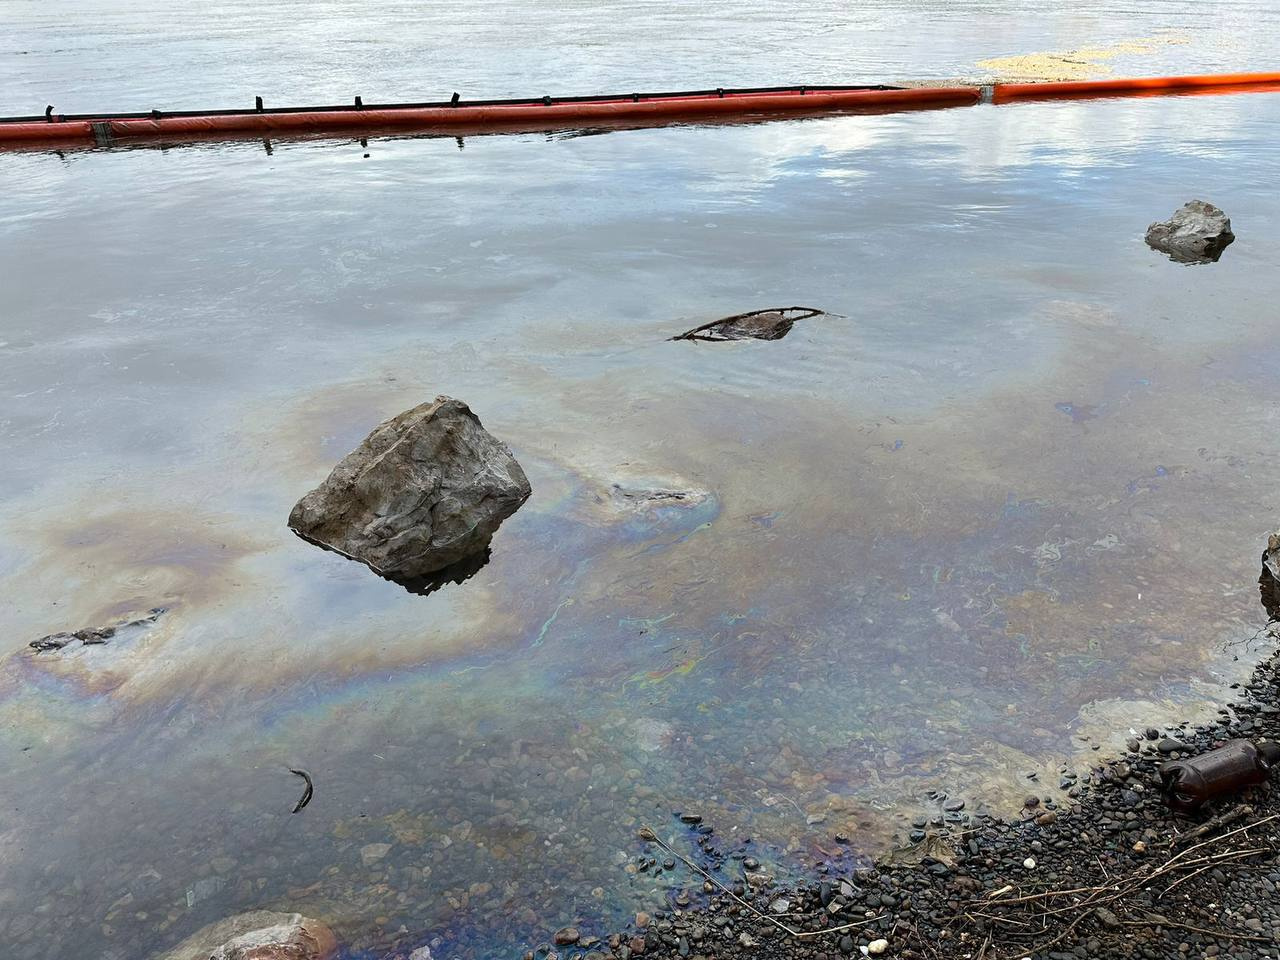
x=1233, y=766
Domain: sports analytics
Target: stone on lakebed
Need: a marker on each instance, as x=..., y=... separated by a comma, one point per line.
x=258, y=935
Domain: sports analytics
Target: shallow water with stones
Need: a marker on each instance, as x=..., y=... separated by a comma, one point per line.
x=1011, y=493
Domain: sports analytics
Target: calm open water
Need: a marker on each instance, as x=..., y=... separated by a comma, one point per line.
x=1013, y=497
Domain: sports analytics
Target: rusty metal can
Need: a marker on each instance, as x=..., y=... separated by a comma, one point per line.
x=1236, y=764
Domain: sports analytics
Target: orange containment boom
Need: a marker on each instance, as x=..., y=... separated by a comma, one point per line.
x=453, y=114
x=633, y=109
x=1138, y=86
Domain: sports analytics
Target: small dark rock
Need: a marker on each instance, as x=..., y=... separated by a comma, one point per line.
x=567, y=936
x=1107, y=918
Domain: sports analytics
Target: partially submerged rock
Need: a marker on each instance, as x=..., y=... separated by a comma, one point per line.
x=259, y=935
x=646, y=498
x=772, y=324
x=456, y=573
x=92, y=636
x=425, y=490
x=1198, y=232
x=1269, y=579
x=644, y=504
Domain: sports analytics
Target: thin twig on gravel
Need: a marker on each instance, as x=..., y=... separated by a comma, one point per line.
x=1213, y=862
x=1211, y=825
x=1164, y=922
x=1081, y=902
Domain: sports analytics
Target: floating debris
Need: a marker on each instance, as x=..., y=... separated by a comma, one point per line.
x=306, y=794
x=771, y=324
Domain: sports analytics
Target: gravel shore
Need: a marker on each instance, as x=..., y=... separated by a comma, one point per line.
x=1110, y=872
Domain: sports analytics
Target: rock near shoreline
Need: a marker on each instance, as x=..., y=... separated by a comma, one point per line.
x=1269, y=578
x=258, y=935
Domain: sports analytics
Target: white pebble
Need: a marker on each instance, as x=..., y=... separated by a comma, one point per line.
x=1029, y=863
x=877, y=947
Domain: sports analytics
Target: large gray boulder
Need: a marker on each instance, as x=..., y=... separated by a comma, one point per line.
x=425, y=490
x=1198, y=232
x=258, y=935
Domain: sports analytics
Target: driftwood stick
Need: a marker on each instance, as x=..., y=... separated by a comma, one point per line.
x=1201, y=851
x=1209, y=826
x=1165, y=922
x=1231, y=833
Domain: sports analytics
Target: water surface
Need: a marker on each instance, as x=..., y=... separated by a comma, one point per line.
x=1013, y=495
x=138, y=54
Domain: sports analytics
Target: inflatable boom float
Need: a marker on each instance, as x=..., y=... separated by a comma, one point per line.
x=544, y=113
